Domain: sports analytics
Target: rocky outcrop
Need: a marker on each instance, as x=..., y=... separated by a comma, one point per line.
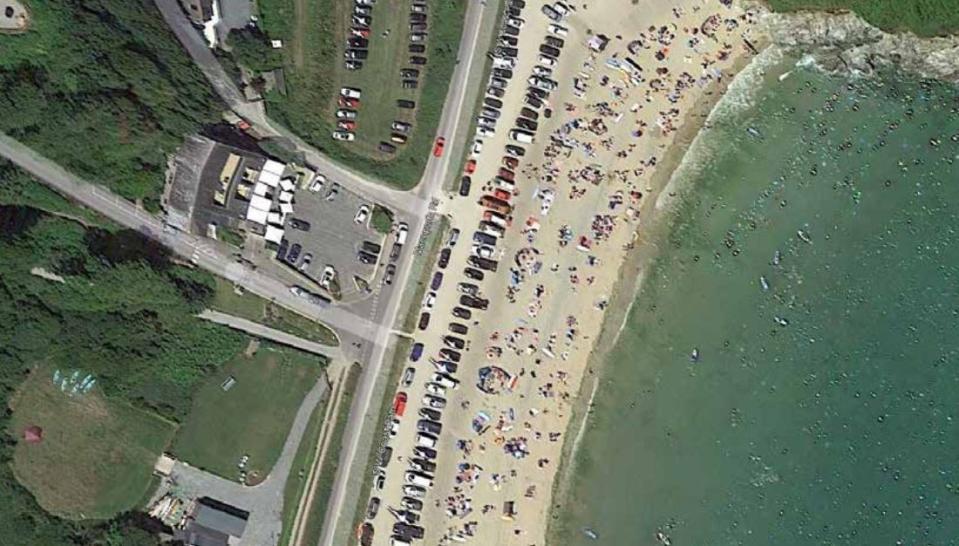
x=843, y=42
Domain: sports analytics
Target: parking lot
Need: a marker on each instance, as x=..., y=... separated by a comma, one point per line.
x=332, y=236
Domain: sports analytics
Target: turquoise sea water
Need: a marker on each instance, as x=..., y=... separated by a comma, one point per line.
x=825, y=409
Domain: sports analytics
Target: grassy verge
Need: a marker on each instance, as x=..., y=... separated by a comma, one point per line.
x=923, y=17
x=397, y=363
x=324, y=487
x=419, y=271
x=255, y=308
x=381, y=219
x=302, y=462
x=252, y=418
x=312, y=59
x=96, y=456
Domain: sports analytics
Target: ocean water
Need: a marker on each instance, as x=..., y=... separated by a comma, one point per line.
x=823, y=408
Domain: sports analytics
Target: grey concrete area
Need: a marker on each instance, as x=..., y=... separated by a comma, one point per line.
x=264, y=501
x=234, y=14
x=265, y=332
x=334, y=237
x=13, y=16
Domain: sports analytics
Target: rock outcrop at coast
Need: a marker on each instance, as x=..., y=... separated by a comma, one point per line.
x=843, y=42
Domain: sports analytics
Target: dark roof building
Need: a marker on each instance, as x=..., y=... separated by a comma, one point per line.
x=213, y=523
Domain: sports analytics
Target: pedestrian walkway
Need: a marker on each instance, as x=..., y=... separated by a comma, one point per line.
x=265, y=332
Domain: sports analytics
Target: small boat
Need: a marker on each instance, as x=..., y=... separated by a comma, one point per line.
x=803, y=236
x=763, y=282
x=777, y=257
x=754, y=132
x=663, y=538
x=590, y=533
x=694, y=356
x=781, y=321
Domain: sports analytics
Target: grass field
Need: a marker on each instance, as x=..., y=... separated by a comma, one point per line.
x=97, y=455
x=255, y=308
x=923, y=17
x=324, y=486
x=419, y=273
x=313, y=52
x=252, y=418
x=305, y=455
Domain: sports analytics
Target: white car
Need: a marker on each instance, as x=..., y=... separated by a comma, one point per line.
x=394, y=428
x=414, y=491
x=362, y=215
x=327, y=277
x=434, y=401
x=515, y=22
x=483, y=251
x=484, y=132
x=317, y=183
x=561, y=8
x=435, y=388
x=429, y=301
x=345, y=136
x=558, y=30
x=548, y=196
x=546, y=60
x=350, y=92
x=504, y=63
x=542, y=71
x=477, y=147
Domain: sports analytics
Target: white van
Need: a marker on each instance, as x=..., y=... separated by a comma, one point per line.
x=492, y=229
x=521, y=136
x=494, y=218
x=505, y=184
x=418, y=479
x=401, y=232
x=426, y=440
x=397, y=541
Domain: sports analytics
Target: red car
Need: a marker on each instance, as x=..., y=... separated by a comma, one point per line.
x=502, y=194
x=507, y=174
x=399, y=404
x=510, y=162
x=347, y=102
x=470, y=166
x=361, y=32
x=438, y=147
x=346, y=125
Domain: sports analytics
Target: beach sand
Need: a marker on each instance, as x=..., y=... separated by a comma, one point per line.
x=579, y=212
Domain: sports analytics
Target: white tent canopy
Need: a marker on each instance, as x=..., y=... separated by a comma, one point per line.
x=273, y=234
x=256, y=216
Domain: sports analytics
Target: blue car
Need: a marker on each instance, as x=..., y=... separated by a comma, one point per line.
x=416, y=352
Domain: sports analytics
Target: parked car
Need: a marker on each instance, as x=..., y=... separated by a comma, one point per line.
x=528, y=113
x=424, y=321
x=294, y=253
x=437, y=280
x=411, y=504
x=553, y=41
x=401, y=126
x=408, y=376
x=465, y=184
x=445, y=366
x=346, y=125
x=416, y=48
x=468, y=288
x=454, y=236
x=417, y=60
x=510, y=30
x=533, y=101
x=444, y=258
x=434, y=401
x=474, y=274
x=549, y=50
x=482, y=263
x=345, y=114
x=546, y=60
x=510, y=41
x=458, y=328
x=353, y=65
x=301, y=225
x=416, y=352
x=373, y=508
x=386, y=147
x=358, y=42
x=462, y=313
x=527, y=124
x=410, y=84
x=345, y=136
x=356, y=54
x=558, y=30
x=418, y=37
x=551, y=13
x=406, y=104
x=425, y=453
x=438, y=146
x=362, y=214
x=495, y=91
x=413, y=491
x=399, y=404
x=454, y=342
x=503, y=73
x=493, y=103
x=366, y=258
x=515, y=151
x=450, y=354
x=389, y=274
x=425, y=425
x=490, y=113
x=498, y=82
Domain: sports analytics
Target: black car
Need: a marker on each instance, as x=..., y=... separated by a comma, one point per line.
x=554, y=42
x=450, y=354
x=408, y=531
x=294, y=253
x=454, y=342
x=385, y=456
x=426, y=466
x=444, y=258
x=386, y=147
x=537, y=92
x=389, y=274
x=418, y=27
x=510, y=41
x=518, y=4
x=409, y=73
x=515, y=151
x=365, y=257
x=411, y=504
x=510, y=30
x=410, y=84
x=425, y=452
x=301, y=225
x=492, y=102
x=424, y=321
x=527, y=124
x=495, y=91
x=549, y=50
x=513, y=12
x=356, y=54
x=475, y=303
x=533, y=101
x=407, y=104
x=358, y=42
x=417, y=17
x=505, y=51
x=529, y=113
x=437, y=281
x=430, y=413
x=373, y=508
x=474, y=273
x=371, y=247
x=465, y=184
x=282, y=250
x=416, y=59
x=484, y=238
x=483, y=263
x=459, y=328
x=460, y=312
x=417, y=48
x=504, y=73
x=425, y=425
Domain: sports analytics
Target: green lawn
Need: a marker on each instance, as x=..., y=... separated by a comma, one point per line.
x=381, y=219
x=314, y=42
x=255, y=308
x=97, y=454
x=923, y=17
x=251, y=418
x=324, y=487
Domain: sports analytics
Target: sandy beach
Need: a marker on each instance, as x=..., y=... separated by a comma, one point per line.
x=623, y=113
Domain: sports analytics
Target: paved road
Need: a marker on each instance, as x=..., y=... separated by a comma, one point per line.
x=265, y=500
x=265, y=332
x=457, y=110
x=203, y=252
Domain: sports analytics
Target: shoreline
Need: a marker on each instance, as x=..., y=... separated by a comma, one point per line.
x=632, y=272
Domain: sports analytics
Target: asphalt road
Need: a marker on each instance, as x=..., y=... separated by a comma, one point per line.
x=456, y=110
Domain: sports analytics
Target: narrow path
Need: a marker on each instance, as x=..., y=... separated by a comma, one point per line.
x=303, y=509
x=265, y=332
x=299, y=31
